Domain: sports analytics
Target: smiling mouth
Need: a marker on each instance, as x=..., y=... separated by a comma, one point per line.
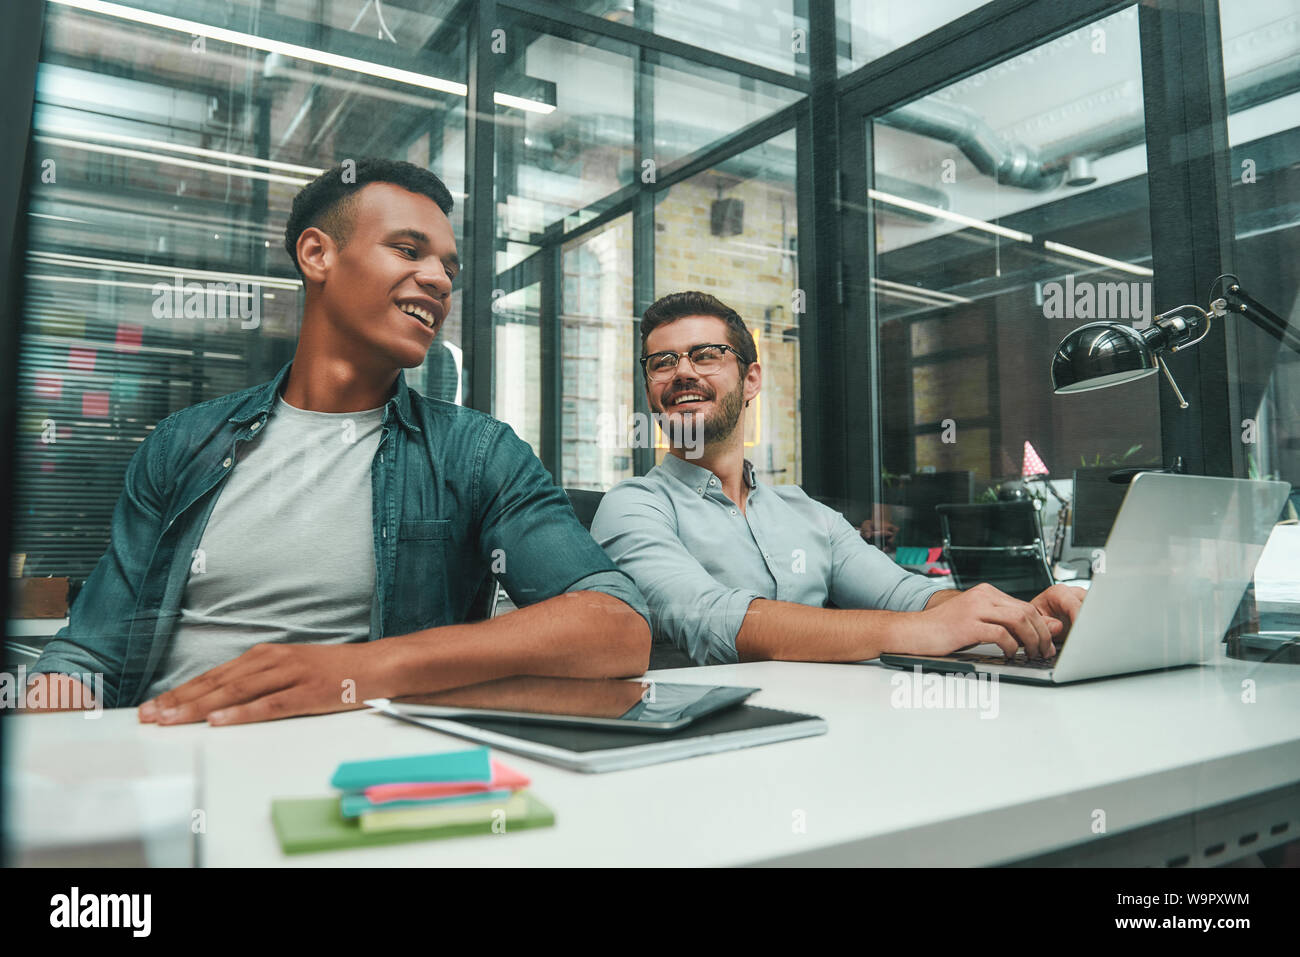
x=686, y=398
x=419, y=312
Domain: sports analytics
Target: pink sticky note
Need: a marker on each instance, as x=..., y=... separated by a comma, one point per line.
x=129, y=337
x=82, y=359
x=49, y=386
x=94, y=404
x=502, y=778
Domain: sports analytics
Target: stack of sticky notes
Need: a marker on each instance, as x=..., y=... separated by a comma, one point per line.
x=416, y=798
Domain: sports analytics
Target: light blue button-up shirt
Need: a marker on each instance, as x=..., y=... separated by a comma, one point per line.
x=699, y=561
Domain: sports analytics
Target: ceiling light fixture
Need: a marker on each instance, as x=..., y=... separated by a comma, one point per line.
x=293, y=50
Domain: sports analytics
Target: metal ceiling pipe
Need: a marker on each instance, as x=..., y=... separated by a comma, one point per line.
x=1011, y=164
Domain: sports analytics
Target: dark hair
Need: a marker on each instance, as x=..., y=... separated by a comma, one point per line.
x=679, y=305
x=326, y=202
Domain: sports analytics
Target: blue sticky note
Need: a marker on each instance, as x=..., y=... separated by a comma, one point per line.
x=471, y=765
x=354, y=805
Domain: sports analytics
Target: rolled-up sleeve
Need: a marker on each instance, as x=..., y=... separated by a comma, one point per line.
x=862, y=576
x=617, y=585
x=688, y=606
x=532, y=537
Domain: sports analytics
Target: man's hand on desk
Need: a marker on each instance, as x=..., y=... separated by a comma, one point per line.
x=581, y=634
x=953, y=620
x=276, y=681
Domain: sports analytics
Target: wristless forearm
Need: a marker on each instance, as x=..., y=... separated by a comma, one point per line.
x=579, y=634
x=785, y=631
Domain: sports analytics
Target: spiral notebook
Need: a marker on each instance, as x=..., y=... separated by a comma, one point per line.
x=595, y=750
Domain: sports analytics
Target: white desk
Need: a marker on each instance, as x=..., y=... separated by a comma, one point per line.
x=34, y=627
x=884, y=786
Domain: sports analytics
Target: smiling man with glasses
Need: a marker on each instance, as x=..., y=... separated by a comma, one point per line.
x=734, y=570
x=266, y=539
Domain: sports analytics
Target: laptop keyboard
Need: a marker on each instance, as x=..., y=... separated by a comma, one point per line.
x=1040, y=664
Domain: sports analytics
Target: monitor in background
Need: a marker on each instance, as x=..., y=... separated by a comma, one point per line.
x=1096, y=503
x=917, y=520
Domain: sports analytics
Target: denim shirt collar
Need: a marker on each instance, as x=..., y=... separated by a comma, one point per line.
x=261, y=400
x=697, y=477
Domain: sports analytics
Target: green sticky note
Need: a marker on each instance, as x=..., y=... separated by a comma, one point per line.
x=303, y=825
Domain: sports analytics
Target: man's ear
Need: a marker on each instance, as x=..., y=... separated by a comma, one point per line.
x=753, y=381
x=316, y=253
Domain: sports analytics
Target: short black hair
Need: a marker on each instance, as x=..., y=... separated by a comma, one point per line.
x=326, y=202
x=679, y=305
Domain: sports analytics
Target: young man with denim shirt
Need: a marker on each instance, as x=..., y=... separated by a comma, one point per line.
x=735, y=571
x=265, y=539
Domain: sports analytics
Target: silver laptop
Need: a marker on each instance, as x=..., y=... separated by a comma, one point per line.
x=1164, y=589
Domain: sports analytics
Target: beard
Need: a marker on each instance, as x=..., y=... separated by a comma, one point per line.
x=723, y=422
x=726, y=415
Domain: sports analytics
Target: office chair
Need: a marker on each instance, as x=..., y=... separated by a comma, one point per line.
x=486, y=600
x=1000, y=543
x=584, y=502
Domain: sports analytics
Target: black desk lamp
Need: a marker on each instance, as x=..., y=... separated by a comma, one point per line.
x=1102, y=354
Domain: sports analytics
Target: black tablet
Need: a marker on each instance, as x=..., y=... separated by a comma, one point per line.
x=642, y=704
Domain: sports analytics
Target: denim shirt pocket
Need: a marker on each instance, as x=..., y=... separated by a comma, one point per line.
x=421, y=580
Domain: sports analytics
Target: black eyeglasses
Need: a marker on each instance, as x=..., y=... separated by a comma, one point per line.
x=705, y=359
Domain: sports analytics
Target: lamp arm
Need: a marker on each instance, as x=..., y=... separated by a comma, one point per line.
x=1238, y=300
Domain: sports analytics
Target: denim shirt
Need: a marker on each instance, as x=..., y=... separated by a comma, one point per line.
x=457, y=496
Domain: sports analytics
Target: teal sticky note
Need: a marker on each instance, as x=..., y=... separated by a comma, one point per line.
x=471, y=765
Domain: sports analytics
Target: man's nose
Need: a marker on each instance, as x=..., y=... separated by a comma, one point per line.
x=680, y=381
x=434, y=276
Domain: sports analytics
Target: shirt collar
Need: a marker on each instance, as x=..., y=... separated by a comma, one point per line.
x=697, y=477
x=259, y=403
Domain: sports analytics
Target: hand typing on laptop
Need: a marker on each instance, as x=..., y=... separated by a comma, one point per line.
x=953, y=620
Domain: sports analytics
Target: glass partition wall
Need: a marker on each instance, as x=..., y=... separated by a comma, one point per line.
x=909, y=204
x=1018, y=173
x=1010, y=208
x=1261, y=61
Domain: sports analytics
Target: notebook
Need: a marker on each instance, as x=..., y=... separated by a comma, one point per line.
x=596, y=750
